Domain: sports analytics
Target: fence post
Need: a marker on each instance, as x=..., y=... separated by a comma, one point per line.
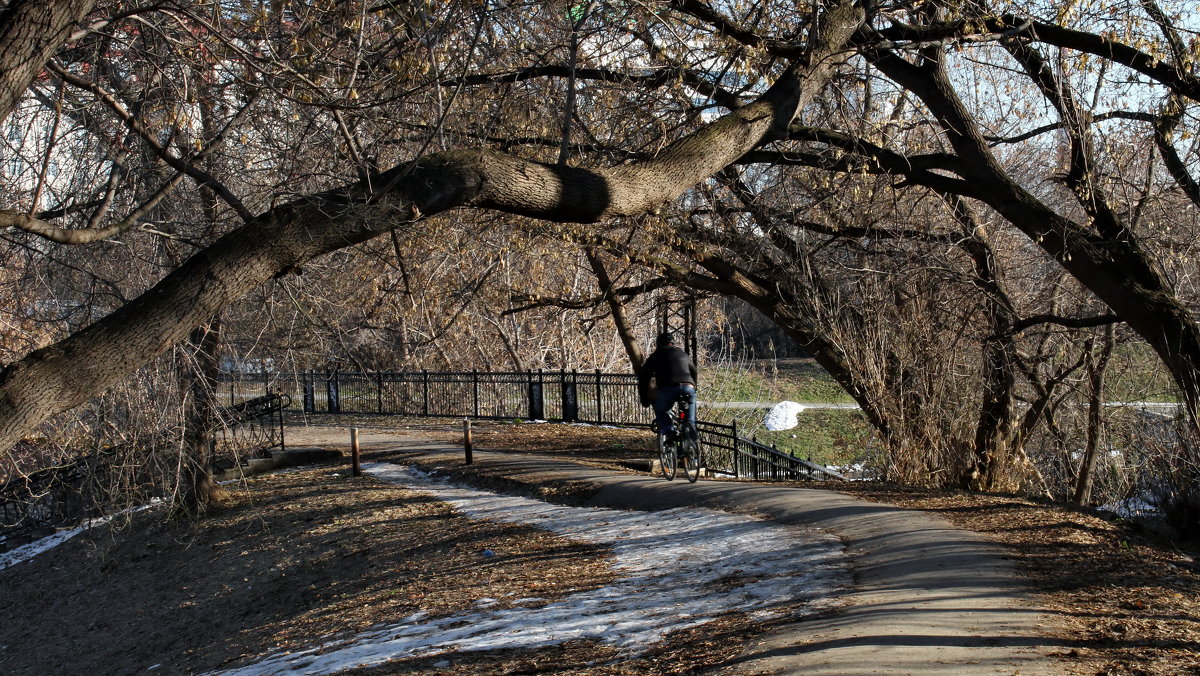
x=570, y=398
x=379, y=391
x=736, y=444
x=599, y=401
x=475, y=392
x=309, y=396
x=331, y=392
x=282, y=443
x=537, y=409
x=355, y=464
x=425, y=392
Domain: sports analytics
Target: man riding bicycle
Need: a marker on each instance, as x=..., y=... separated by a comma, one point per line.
x=675, y=374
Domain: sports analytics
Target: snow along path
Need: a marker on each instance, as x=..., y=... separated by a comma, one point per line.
x=668, y=562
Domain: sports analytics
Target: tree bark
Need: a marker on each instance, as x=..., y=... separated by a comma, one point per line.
x=617, y=308
x=54, y=379
x=1115, y=269
x=31, y=31
x=196, y=488
x=1096, y=366
x=994, y=438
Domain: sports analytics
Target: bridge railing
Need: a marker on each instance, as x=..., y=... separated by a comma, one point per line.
x=558, y=396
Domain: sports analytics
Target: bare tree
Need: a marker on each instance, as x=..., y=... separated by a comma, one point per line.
x=597, y=119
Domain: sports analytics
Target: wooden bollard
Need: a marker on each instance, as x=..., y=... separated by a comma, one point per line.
x=355, y=466
x=467, y=441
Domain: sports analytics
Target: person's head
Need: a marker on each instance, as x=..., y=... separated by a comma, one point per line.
x=664, y=339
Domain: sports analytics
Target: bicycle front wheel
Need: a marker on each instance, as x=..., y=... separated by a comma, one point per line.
x=691, y=458
x=667, y=457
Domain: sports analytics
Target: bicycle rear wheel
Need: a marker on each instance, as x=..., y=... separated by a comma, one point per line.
x=690, y=450
x=667, y=457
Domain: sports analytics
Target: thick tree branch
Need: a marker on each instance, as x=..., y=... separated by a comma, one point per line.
x=1068, y=322
x=1164, y=134
x=179, y=164
x=857, y=155
x=1168, y=74
x=737, y=33
x=63, y=375
x=1115, y=269
x=31, y=31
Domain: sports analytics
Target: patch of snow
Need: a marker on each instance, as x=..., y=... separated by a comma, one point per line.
x=676, y=568
x=782, y=416
x=1138, y=505
x=26, y=552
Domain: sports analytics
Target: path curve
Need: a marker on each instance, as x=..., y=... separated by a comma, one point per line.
x=928, y=597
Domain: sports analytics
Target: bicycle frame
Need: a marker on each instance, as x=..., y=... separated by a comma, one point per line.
x=683, y=445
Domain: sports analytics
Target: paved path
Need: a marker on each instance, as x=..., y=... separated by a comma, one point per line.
x=928, y=598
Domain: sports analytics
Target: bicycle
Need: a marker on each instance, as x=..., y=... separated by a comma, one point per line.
x=685, y=444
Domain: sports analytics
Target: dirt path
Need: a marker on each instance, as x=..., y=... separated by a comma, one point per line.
x=929, y=598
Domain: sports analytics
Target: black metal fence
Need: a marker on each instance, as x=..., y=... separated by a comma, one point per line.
x=36, y=503
x=727, y=453
x=249, y=429
x=559, y=396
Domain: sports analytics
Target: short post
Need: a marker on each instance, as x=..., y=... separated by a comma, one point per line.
x=467, y=450
x=355, y=465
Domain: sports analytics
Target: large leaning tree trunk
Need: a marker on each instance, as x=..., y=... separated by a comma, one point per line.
x=31, y=31
x=56, y=378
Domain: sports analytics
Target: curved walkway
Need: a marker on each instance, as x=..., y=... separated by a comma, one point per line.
x=928, y=598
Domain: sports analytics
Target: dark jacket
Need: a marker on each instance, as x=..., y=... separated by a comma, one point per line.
x=668, y=366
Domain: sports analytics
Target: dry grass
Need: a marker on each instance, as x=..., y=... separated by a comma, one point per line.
x=1128, y=601
x=297, y=556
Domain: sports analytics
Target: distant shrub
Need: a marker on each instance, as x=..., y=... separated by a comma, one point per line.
x=1171, y=480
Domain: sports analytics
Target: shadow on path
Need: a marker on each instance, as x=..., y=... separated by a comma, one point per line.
x=928, y=598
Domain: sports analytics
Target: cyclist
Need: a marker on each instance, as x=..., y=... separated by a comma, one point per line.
x=675, y=374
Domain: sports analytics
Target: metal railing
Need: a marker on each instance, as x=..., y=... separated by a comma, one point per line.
x=559, y=396
x=249, y=429
x=727, y=453
x=64, y=494
x=47, y=498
